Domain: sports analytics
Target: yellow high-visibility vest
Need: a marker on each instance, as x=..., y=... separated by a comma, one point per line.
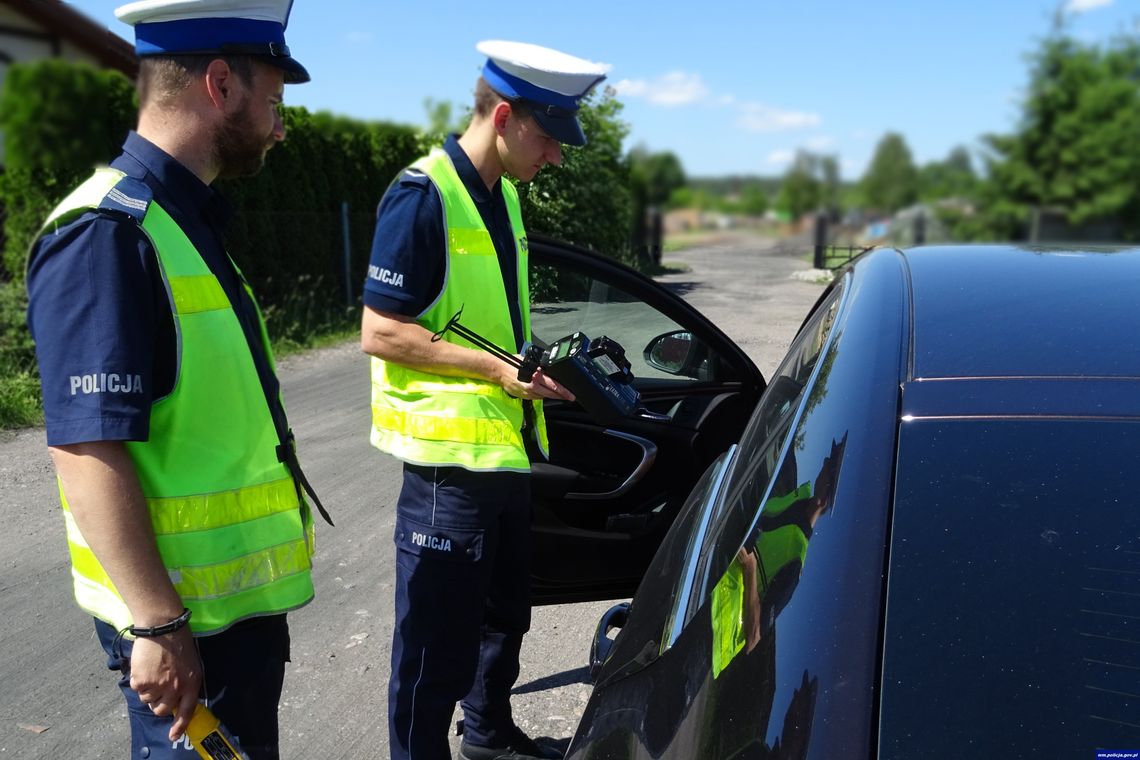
x=431, y=419
x=235, y=537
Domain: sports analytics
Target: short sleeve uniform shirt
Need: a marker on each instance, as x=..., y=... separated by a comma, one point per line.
x=99, y=312
x=406, y=269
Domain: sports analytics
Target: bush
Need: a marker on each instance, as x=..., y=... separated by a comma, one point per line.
x=19, y=381
x=59, y=120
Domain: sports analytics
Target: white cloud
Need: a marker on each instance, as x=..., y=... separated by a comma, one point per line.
x=677, y=88
x=820, y=143
x=756, y=117
x=1081, y=6
x=681, y=88
x=781, y=157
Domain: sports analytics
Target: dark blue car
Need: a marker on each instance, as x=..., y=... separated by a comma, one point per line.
x=925, y=542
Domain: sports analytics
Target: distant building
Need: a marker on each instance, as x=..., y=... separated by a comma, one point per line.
x=32, y=30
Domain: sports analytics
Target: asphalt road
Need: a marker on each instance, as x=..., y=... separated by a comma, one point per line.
x=58, y=699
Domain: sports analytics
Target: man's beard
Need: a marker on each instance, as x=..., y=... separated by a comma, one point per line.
x=238, y=150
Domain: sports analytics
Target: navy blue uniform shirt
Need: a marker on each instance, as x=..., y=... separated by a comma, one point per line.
x=99, y=312
x=405, y=273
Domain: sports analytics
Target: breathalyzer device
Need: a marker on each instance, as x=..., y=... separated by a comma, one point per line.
x=594, y=370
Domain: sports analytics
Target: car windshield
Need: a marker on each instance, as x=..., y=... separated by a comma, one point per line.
x=1013, y=626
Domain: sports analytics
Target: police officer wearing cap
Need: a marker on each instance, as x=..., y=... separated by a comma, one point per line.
x=189, y=535
x=450, y=236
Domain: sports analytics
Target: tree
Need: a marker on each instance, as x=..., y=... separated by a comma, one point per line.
x=1076, y=149
x=952, y=178
x=753, y=200
x=586, y=201
x=440, y=115
x=654, y=176
x=891, y=181
x=829, y=183
x=802, y=190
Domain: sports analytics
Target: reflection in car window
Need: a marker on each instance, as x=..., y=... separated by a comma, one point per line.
x=565, y=301
x=1014, y=590
x=795, y=575
x=763, y=440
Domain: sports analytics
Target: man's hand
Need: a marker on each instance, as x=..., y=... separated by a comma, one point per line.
x=167, y=674
x=399, y=339
x=540, y=386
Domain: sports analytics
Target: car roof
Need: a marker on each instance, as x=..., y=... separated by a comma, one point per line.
x=1006, y=311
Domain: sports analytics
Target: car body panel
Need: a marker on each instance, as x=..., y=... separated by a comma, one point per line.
x=1013, y=595
x=1022, y=397
x=1009, y=311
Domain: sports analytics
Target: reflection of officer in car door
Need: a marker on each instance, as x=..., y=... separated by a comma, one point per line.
x=449, y=236
x=786, y=526
x=754, y=590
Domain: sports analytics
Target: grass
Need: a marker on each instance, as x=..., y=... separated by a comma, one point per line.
x=287, y=346
x=20, y=402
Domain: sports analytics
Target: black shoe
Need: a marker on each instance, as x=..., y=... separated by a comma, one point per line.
x=521, y=747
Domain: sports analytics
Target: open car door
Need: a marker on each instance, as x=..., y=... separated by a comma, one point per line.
x=609, y=493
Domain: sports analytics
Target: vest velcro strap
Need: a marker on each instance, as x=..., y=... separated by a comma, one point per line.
x=197, y=293
x=438, y=428
x=178, y=514
x=470, y=242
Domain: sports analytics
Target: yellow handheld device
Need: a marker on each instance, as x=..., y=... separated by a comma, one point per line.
x=210, y=738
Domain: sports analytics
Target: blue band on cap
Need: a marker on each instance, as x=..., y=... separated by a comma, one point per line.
x=205, y=34
x=513, y=87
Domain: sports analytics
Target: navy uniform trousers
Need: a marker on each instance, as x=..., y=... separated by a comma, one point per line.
x=462, y=606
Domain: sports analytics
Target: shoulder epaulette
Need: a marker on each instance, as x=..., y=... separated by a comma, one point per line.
x=414, y=178
x=129, y=196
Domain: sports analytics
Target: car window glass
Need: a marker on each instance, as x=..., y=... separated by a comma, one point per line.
x=1013, y=590
x=564, y=301
x=793, y=585
x=763, y=439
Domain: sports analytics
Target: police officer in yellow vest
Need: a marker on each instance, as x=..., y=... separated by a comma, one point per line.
x=449, y=236
x=188, y=533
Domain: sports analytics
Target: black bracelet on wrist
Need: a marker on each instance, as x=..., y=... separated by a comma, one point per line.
x=161, y=630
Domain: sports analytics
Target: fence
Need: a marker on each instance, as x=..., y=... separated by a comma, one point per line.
x=906, y=229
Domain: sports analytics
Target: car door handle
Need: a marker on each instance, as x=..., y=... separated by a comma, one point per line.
x=648, y=456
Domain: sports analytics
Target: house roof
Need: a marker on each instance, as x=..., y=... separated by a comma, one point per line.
x=60, y=19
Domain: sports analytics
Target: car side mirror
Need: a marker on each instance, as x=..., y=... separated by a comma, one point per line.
x=675, y=353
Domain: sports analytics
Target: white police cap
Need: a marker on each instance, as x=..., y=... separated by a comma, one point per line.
x=209, y=27
x=551, y=83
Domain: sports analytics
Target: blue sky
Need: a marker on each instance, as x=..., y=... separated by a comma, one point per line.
x=729, y=87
